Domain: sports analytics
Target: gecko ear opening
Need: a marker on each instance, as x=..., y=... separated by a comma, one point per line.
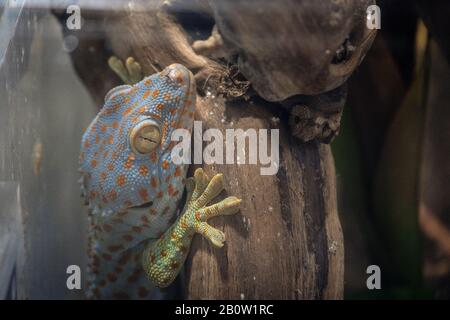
x=145, y=137
x=116, y=90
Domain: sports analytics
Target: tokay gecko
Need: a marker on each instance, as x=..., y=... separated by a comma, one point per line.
x=137, y=240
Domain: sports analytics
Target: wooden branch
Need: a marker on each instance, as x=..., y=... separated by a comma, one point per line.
x=291, y=47
x=287, y=243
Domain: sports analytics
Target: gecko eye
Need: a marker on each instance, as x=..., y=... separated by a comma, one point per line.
x=145, y=137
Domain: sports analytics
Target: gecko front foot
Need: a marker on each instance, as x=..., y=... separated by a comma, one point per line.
x=201, y=191
x=163, y=259
x=130, y=72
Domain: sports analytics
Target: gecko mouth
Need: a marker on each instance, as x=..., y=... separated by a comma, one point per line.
x=145, y=205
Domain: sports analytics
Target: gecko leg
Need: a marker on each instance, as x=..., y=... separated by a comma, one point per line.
x=130, y=72
x=163, y=259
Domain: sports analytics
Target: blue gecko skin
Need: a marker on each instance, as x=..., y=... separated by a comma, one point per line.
x=132, y=197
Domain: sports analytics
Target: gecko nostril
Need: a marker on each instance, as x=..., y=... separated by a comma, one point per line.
x=176, y=75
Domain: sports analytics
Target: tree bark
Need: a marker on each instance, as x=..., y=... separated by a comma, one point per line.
x=287, y=242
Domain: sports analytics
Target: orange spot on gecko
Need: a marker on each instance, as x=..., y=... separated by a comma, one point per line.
x=146, y=94
x=165, y=164
x=143, y=170
x=128, y=164
x=142, y=109
x=112, y=195
x=155, y=93
x=153, y=182
x=170, y=189
x=164, y=130
x=163, y=253
x=143, y=193
x=160, y=106
x=121, y=180
x=93, y=163
x=153, y=157
x=126, y=111
x=115, y=124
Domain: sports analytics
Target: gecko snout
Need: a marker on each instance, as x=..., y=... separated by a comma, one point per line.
x=181, y=75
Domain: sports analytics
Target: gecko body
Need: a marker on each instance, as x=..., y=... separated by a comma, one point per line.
x=136, y=237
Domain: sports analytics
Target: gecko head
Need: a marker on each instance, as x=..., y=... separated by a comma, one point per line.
x=126, y=151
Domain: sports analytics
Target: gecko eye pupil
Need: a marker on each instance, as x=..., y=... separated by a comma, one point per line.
x=145, y=137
